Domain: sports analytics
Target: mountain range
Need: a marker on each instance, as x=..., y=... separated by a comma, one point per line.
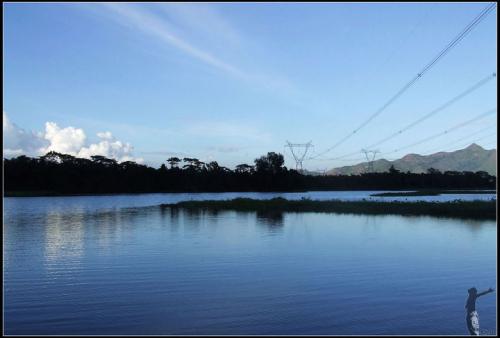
x=472, y=158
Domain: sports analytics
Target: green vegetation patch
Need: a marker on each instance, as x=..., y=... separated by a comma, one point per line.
x=430, y=193
x=406, y=193
x=452, y=209
x=468, y=192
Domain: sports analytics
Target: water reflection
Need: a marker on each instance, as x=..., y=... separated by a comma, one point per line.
x=139, y=271
x=64, y=236
x=64, y=232
x=194, y=218
x=474, y=225
x=273, y=220
x=173, y=217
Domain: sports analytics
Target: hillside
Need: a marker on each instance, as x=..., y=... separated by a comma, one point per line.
x=473, y=158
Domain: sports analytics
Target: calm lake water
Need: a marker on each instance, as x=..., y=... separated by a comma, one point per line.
x=120, y=265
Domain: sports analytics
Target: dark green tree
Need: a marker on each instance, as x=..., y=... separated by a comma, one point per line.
x=393, y=171
x=270, y=163
x=244, y=168
x=174, y=162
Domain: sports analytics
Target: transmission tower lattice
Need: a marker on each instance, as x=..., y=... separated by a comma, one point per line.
x=370, y=157
x=299, y=157
x=322, y=172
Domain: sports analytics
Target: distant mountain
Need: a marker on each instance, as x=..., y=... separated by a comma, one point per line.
x=473, y=158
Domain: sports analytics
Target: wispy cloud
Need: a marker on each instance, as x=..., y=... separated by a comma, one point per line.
x=227, y=130
x=178, y=25
x=198, y=17
x=164, y=153
x=225, y=149
x=159, y=28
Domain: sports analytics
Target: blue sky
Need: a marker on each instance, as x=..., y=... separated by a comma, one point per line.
x=231, y=81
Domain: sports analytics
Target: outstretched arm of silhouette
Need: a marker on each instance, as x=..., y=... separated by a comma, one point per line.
x=485, y=292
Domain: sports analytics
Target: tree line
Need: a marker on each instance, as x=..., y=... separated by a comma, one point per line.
x=56, y=173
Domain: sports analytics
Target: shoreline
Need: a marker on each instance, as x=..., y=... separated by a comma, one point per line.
x=383, y=192
x=479, y=210
x=432, y=193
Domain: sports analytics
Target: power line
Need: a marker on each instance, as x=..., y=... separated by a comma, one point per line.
x=493, y=143
x=434, y=149
x=460, y=125
x=424, y=70
x=398, y=47
x=407, y=36
x=343, y=157
x=437, y=110
x=338, y=157
x=476, y=86
x=474, y=141
x=348, y=159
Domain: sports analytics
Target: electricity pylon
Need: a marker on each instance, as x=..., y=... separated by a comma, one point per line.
x=370, y=157
x=322, y=172
x=299, y=157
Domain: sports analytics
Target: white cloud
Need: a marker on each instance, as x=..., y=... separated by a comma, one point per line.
x=109, y=147
x=105, y=135
x=68, y=140
x=17, y=141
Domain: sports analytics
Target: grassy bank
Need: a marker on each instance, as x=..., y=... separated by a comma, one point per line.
x=430, y=193
x=454, y=209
